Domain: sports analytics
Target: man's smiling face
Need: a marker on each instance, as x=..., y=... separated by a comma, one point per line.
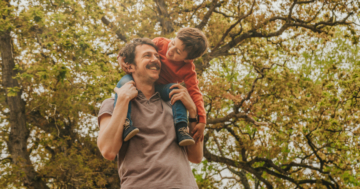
x=147, y=62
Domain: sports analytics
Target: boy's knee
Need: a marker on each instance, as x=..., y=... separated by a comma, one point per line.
x=124, y=80
x=171, y=84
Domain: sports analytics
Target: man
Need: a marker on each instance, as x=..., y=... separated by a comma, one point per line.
x=154, y=159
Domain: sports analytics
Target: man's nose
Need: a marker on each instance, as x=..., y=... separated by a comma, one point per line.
x=154, y=58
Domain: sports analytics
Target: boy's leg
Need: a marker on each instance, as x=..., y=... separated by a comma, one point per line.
x=129, y=129
x=179, y=114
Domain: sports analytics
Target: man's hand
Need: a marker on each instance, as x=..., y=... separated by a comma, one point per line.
x=122, y=64
x=198, y=132
x=183, y=95
x=128, y=90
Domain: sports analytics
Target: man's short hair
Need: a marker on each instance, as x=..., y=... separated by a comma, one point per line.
x=129, y=50
x=194, y=40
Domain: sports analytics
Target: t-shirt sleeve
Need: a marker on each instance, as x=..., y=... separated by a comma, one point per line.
x=107, y=107
x=159, y=42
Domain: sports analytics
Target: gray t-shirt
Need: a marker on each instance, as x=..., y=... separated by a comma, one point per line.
x=152, y=159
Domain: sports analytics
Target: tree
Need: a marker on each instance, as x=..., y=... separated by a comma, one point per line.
x=301, y=125
x=274, y=119
x=53, y=76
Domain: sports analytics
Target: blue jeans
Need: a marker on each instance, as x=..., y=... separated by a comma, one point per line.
x=178, y=108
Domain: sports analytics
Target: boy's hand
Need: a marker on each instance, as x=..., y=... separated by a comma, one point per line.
x=122, y=64
x=198, y=132
x=128, y=90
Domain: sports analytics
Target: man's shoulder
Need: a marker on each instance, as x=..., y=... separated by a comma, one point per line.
x=109, y=102
x=107, y=107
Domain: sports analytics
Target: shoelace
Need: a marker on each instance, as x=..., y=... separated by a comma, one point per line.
x=127, y=123
x=183, y=131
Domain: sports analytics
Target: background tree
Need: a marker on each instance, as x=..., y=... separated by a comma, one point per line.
x=281, y=100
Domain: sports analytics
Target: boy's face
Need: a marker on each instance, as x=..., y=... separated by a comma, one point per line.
x=175, y=51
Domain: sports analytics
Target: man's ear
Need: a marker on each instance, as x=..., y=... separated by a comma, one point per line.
x=120, y=60
x=188, y=61
x=131, y=68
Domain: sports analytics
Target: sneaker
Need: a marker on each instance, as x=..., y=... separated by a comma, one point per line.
x=129, y=130
x=183, y=137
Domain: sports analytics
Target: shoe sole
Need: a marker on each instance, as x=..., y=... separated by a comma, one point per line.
x=187, y=142
x=131, y=134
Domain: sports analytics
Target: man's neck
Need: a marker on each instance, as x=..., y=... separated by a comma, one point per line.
x=148, y=89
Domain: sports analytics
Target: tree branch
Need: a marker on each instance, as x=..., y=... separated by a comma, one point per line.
x=7, y=158
x=113, y=28
x=242, y=175
x=213, y=158
x=163, y=17
x=206, y=18
x=289, y=22
x=232, y=26
x=238, y=115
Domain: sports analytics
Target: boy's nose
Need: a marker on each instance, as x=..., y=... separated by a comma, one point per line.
x=171, y=50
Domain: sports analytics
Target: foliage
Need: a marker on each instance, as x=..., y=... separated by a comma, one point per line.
x=280, y=84
x=304, y=117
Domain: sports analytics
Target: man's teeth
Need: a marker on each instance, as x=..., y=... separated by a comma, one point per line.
x=153, y=68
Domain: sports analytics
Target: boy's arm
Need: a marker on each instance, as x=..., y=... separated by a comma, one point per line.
x=191, y=83
x=159, y=42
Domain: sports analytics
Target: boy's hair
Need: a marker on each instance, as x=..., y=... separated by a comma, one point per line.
x=129, y=50
x=194, y=40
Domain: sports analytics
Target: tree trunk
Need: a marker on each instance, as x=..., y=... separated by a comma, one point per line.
x=19, y=133
x=165, y=21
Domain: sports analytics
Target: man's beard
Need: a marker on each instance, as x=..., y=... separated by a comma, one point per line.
x=148, y=80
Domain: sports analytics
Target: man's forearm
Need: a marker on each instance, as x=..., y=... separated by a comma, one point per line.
x=192, y=113
x=195, y=152
x=110, y=135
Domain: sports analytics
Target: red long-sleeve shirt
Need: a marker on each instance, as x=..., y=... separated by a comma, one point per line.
x=174, y=72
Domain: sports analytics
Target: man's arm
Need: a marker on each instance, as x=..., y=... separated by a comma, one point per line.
x=197, y=131
x=194, y=152
x=111, y=127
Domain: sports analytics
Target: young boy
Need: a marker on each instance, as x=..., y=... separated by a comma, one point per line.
x=177, y=57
